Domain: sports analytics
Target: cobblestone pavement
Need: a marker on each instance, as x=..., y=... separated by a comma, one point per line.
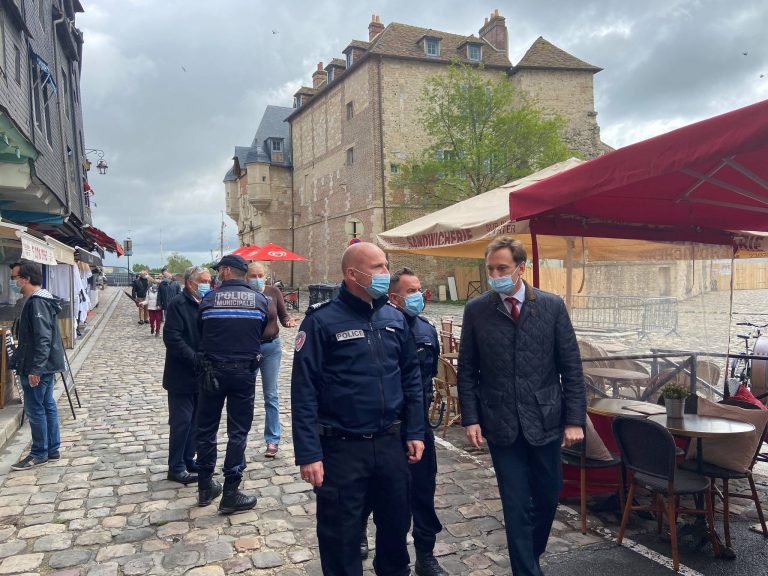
x=106, y=508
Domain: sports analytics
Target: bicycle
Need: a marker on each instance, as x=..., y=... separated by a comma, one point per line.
x=741, y=368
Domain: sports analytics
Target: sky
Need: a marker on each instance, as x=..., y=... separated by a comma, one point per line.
x=170, y=87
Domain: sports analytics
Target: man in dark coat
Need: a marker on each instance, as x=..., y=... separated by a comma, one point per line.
x=39, y=356
x=139, y=289
x=521, y=386
x=180, y=376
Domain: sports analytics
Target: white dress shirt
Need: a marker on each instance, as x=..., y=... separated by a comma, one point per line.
x=519, y=296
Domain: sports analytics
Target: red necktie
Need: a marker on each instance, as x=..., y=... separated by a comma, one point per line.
x=515, y=311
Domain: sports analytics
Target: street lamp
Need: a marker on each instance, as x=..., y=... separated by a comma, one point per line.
x=101, y=165
x=128, y=246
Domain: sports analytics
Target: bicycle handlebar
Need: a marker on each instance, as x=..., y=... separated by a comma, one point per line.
x=751, y=324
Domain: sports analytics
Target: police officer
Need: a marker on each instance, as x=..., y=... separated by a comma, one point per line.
x=405, y=293
x=355, y=372
x=232, y=319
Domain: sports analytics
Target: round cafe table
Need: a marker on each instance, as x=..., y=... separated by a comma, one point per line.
x=613, y=407
x=616, y=375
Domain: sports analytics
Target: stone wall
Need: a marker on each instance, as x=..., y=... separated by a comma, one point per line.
x=570, y=94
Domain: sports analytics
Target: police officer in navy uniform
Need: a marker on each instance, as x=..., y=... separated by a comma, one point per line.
x=405, y=293
x=232, y=320
x=355, y=375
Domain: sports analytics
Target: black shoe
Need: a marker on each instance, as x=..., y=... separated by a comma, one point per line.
x=152, y=331
x=234, y=500
x=364, y=546
x=28, y=462
x=183, y=477
x=207, y=492
x=427, y=565
x=54, y=455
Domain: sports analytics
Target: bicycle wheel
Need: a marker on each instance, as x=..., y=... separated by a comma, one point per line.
x=740, y=369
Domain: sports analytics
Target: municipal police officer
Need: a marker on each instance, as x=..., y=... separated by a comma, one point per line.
x=355, y=374
x=405, y=293
x=232, y=320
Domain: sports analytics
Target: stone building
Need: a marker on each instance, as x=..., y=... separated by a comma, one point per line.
x=359, y=121
x=43, y=166
x=259, y=187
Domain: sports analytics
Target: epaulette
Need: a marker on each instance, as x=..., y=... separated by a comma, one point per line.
x=315, y=307
x=427, y=320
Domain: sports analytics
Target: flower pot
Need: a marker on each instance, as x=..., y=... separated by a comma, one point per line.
x=675, y=408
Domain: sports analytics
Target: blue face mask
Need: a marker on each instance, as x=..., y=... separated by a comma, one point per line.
x=504, y=284
x=413, y=304
x=15, y=288
x=379, y=285
x=203, y=289
x=257, y=284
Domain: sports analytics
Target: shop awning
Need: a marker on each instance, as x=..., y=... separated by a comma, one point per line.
x=697, y=183
x=64, y=254
x=103, y=239
x=92, y=260
x=36, y=250
x=32, y=217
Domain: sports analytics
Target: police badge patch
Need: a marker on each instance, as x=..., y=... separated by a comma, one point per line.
x=301, y=337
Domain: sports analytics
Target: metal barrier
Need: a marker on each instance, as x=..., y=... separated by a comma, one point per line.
x=607, y=312
x=322, y=292
x=660, y=315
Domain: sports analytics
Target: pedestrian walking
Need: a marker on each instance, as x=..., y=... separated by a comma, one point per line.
x=355, y=375
x=177, y=284
x=521, y=387
x=181, y=373
x=154, y=310
x=139, y=289
x=232, y=318
x=271, y=352
x=405, y=293
x=164, y=292
x=38, y=357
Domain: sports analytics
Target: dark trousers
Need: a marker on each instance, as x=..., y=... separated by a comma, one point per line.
x=426, y=524
x=238, y=389
x=181, y=440
x=529, y=478
x=355, y=471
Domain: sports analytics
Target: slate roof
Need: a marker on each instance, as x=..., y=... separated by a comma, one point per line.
x=362, y=44
x=402, y=40
x=272, y=125
x=338, y=62
x=544, y=55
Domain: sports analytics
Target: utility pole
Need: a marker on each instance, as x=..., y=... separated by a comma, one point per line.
x=221, y=236
x=162, y=258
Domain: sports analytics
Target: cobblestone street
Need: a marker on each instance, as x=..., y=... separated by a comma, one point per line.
x=106, y=507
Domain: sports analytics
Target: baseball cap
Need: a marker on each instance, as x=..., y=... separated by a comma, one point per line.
x=232, y=261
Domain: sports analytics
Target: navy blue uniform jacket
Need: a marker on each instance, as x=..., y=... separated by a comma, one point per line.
x=354, y=369
x=233, y=318
x=427, y=351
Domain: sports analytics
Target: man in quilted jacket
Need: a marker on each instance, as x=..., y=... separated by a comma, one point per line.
x=521, y=387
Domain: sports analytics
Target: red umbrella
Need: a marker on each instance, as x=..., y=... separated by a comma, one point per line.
x=245, y=250
x=272, y=252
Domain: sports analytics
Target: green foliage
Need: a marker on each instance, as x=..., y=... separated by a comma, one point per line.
x=139, y=267
x=209, y=265
x=484, y=134
x=177, y=263
x=674, y=391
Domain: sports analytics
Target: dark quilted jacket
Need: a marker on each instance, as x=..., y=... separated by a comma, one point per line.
x=520, y=375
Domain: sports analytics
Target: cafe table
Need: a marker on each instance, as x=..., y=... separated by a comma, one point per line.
x=616, y=375
x=613, y=407
x=700, y=427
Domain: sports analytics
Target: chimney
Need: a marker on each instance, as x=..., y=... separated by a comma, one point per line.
x=375, y=27
x=494, y=30
x=319, y=76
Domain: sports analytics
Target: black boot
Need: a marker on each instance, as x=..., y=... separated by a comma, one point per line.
x=234, y=500
x=364, y=545
x=207, y=491
x=427, y=565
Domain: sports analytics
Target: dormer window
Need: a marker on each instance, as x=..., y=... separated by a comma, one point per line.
x=277, y=145
x=474, y=52
x=432, y=46
x=349, y=59
x=297, y=101
x=330, y=75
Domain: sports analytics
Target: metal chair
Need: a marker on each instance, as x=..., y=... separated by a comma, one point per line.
x=648, y=453
x=725, y=475
x=577, y=456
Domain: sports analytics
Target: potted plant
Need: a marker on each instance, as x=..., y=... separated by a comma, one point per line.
x=674, y=399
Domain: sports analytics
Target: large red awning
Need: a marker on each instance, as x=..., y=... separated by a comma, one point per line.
x=696, y=183
x=273, y=252
x=104, y=240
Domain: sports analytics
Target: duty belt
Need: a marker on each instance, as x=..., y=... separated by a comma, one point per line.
x=329, y=432
x=250, y=365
